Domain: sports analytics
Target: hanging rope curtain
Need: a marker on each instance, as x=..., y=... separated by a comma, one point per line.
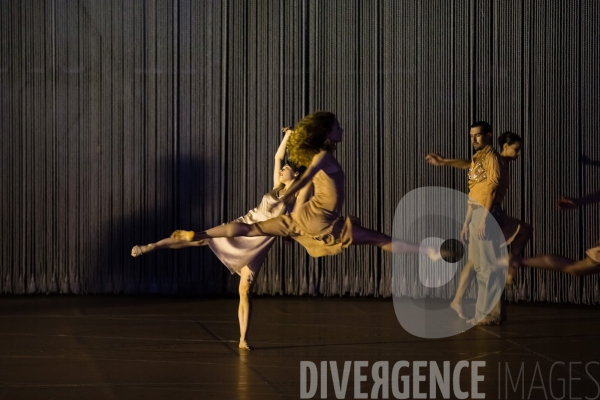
x=123, y=121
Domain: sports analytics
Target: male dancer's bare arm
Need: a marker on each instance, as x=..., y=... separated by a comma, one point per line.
x=438, y=160
x=464, y=233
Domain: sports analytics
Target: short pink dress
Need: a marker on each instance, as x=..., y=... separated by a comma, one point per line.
x=237, y=252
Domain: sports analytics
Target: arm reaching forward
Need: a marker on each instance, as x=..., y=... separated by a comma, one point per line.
x=438, y=160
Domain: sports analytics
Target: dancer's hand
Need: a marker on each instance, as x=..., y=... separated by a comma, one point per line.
x=464, y=234
x=567, y=203
x=287, y=130
x=435, y=159
x=481, y=229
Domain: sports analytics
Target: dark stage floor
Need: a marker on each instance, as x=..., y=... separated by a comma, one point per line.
x=130, y=347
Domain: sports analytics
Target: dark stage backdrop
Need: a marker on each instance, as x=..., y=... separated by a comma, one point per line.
x=122, y=121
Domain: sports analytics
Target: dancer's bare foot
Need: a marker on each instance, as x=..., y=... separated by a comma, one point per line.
x=139, y=250
x=456, y=306
x=437, y=254
x=186, y=236
x=244, y=345
x=513, y=264
x=487, y=321
x=433, y=254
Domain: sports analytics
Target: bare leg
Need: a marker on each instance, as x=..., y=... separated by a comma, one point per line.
x=518, y=245
x=520, y=241
x=168, y=243
x=587, y=266
x=362, y=235
x=232, y=229
x=466, y=275
x=245, y=307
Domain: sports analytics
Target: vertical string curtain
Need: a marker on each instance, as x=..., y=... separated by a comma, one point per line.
x=123, y=121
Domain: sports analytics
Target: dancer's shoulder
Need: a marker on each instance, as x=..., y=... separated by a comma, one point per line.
x=332, y=165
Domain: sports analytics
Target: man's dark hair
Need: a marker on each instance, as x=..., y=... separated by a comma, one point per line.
x=485, y=127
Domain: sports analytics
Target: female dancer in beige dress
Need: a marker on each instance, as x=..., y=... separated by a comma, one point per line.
x=587, y=266
x=516, y=232
x=245, y=255
x=316, y=224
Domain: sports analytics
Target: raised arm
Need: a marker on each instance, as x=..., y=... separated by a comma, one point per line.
x=438, y=160
x=279, y=156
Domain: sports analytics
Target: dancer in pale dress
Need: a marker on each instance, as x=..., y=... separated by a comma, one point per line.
x=516, y=232
x=245, y=255
x=316, y=224
x=587, y=266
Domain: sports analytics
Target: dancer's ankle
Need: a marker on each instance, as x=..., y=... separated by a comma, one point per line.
x=456, y=305
x=244, y=345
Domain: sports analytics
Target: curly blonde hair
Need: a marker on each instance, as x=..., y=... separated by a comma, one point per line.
x=310, y=137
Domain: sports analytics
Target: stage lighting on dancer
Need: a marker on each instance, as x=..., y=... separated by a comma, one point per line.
x=422, y=288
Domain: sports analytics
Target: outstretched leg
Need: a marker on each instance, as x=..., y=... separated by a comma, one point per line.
x=362, y=235
x=168, y=243
x=233, y=229
x=587, y=266
x=466, y=276
x=247, y=280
